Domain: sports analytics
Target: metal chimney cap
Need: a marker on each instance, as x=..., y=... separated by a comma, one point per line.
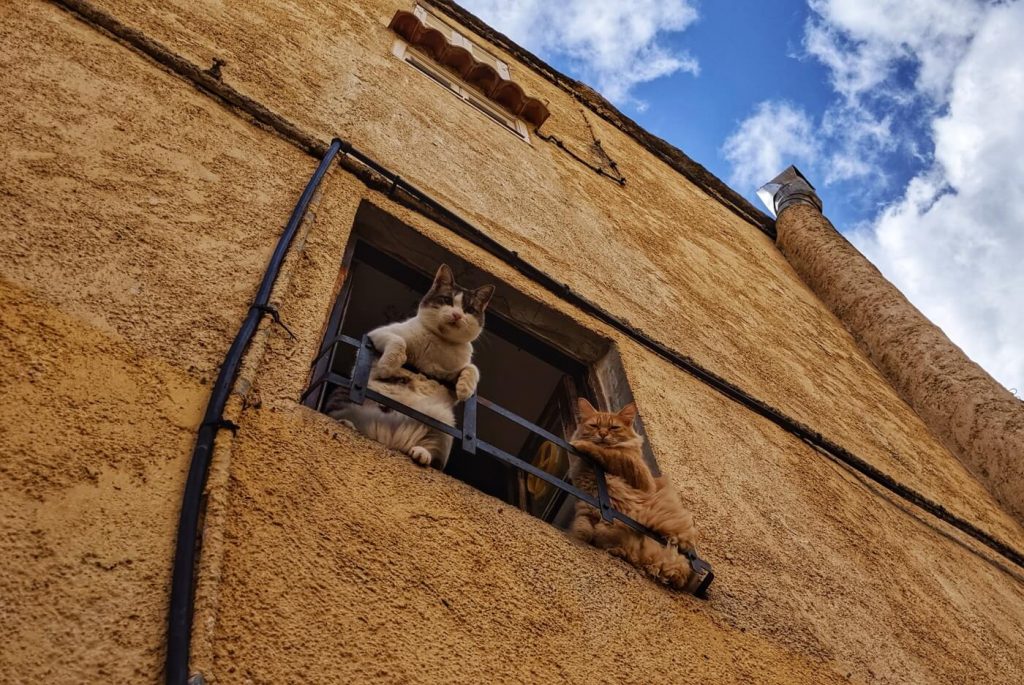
x=788, y=188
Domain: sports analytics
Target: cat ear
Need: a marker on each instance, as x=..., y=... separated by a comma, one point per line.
x=586, y=408
x=628, y=413
x=482, y=295
x=444, y=276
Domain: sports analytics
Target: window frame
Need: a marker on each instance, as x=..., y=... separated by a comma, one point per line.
x=383, y=231
x=432, y=20
x=451, y=83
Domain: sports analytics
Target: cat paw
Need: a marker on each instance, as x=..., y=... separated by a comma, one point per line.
x=347, y=423
x=390, y=362
x=464, y=388
x=421, y=455
x=680, y=543
x=581, y=445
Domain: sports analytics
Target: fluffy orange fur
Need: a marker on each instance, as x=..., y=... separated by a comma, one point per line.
x=609, y=439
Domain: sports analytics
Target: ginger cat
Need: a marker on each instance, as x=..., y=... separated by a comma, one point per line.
x=609, y=439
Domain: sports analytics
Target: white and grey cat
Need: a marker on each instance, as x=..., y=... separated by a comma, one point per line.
x=438, y=344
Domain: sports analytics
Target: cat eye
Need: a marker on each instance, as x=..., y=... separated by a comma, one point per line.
x=445, y=299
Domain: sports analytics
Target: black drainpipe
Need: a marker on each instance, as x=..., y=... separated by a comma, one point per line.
x=179, y=627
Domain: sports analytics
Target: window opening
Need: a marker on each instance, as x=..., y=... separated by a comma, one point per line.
x=409, y=55
x=456, y=38
x=510, y=439
x=520, y=373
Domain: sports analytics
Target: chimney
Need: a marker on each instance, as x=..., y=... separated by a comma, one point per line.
x=974, y=416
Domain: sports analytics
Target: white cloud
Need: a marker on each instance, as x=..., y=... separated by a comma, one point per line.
x=857, y=137
x=863, y=42
x=854, y=68
x=776, y=135
x=614, y=45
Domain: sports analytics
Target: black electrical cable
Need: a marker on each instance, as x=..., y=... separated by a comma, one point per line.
x=179, y=627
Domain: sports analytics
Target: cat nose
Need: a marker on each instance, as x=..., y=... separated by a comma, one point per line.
x=456, y=316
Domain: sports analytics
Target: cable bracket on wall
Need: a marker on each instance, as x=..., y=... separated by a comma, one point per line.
x=276, y=316
x=609, y=169
x=226, y=424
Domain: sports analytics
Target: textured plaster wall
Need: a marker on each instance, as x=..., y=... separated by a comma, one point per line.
x=137, y=219
x=658, y=252
x=385, y=572
x=133, y=252
x=969, y=411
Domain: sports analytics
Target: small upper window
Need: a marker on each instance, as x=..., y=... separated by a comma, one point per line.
x=456, y=38
x=442, y=77
x=445, y=55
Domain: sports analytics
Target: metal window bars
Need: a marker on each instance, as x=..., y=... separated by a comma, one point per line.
x=359, y=392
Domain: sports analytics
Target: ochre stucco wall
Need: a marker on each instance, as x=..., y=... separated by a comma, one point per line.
x=132, y=254
x=658, y=252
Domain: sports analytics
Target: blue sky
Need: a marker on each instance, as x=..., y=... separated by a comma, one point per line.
x=749, y=51
x=743, y=48
x=907, y=115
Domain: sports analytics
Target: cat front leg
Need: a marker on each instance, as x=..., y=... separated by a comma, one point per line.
x=465, y=386
x=432, y=449
x=393, y=353
x=582, y=527
x=596, y=453
x=618, y=462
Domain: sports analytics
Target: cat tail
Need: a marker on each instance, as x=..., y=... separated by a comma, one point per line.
x=662, y=562
x=666, y=513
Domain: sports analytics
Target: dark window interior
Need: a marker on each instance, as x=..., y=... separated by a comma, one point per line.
x=518, y=371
